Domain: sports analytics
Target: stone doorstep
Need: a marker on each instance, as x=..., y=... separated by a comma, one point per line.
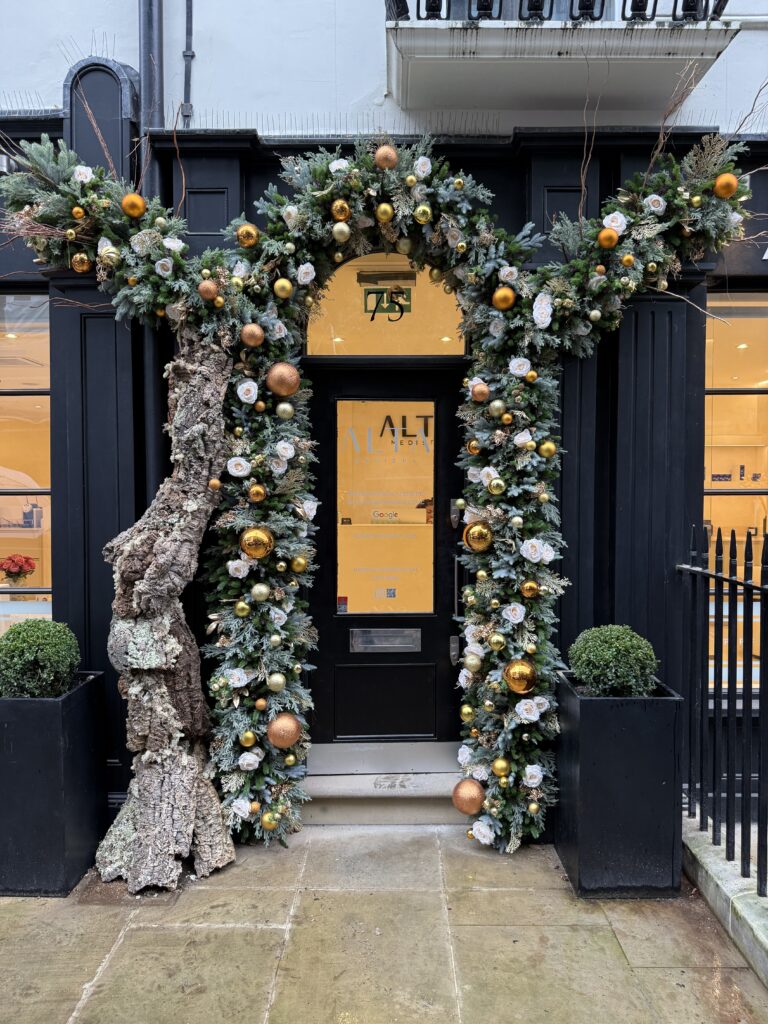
x=397, y=798
x=732, y=899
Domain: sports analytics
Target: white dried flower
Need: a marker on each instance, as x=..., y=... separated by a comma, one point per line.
x=465, y=678
x=522, y=438
x=305, y=273
x=541, y=703
x=480, y=773
x=278, y=466
x=174, y=244
x=235, y=677
x=482, y=832
x=291, y=216
x=309, y=508
x=285, y=449
x=464, y=755
x=533, y=776
x=487, y=474
x=278, y=616
x=422, y=167
x=531, y=550
x=248, y=391
x=250, y=760
x=514, y=613
x=474, y=474
x=655, y=204
x=240, y=269
x=143, y=242
x=238, y=569
x=82, y=174
x=542, y=310
x=547, y=553
x=617, y=221
x=239, y=467
x=278, y=330
x=164, y=267
x=508, y=275
x=497, y=326
x=335, y=166
x=241, y=807
x=527, y=711
x=419, y=193
x=519, y=366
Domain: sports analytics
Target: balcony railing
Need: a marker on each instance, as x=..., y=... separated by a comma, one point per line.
x=541, y=11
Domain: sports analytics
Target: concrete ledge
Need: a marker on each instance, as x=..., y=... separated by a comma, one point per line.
x=384, y=799
x=733, y=899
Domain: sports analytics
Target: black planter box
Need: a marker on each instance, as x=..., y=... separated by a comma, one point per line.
x=53, y=800
x=619, y=816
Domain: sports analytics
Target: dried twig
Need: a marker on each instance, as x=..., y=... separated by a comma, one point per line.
x=97, y=132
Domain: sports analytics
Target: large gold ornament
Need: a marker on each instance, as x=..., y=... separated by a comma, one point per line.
x=529, y=589
x=298, y=563
x=247, y=738
x=257, y=541
x=607, y=238
x=473, y=446
x=247, y=235
x=110, y=256
x=341, y=232
x=423, y=213
x=283, y=379
x=252, y=335
x=466, y=712
x=260, y=592
x=384, y=213
x=269, y=822
x=282, y=288
x=725, y=185
x=478, y=536
x=468, y=796
x=340, y=210
x=133, y=205
x=81, y=263
x=284, y=730
x=501, y=767
x=257, y=493
x=504, y=298
x=385, y=158
x=628, y=260
x=547, y=449
x=520, y=675
x=208, y=290
x=496, y=487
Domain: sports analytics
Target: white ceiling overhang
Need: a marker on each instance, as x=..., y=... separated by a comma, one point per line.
x=515, y=65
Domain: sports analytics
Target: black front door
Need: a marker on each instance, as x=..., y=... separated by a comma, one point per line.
x=385, y=594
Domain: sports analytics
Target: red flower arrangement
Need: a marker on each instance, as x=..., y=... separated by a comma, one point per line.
x=16, y=567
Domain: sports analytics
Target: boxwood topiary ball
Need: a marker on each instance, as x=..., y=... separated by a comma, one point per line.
x=38, y=658
x=613, y=661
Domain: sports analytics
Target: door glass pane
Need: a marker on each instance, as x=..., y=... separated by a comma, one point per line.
x=385, y=507
x=380, y=305
x=24, y=348
x=736, y=454
x=737, y=342
x=25, y=441
x=25, y=529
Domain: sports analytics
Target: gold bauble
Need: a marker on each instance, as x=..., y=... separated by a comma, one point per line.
x=290, y=760
x=628, y=260
x=472, y=662
x=488, y=705
x=478, y=536
x=530, y=648
x=110, y=256
x=435, y=274
x=466, y=712
x=652, y=267
x=81, y=263
x=269, y=821
x=725, y=185
x=298, y=563
x=495, y=603
x=496, y=487
x=600, y=270
x=461, y=248
x=338, y=257
x=247, y=738
x=531, y=377
x=507, y=418
x=404, y=246
x=78, y=212
x=282, y=288
x=252, y=335
x=695, y=202
x=340, y=210
x=497, y=408
x=214, y=484
x=480, y=392
x=385, y=157
x=410, y=180
x=504, y=781
x=219, y=302
x=520, y=675
x=474, y=732
x=474, y=447
x=517, y=521
x=133, y=205
x=283, y=379
x=285, y=411
x=547, y=449
x=458, y=184
x=276, y=682
x=543, y=498
x=341, y=232
x=242, y=609
x=257, y=541
x=423, y=213
x=257, y=493
x=607, y=238
x=504, y=298
x=281, y=566
x=261, y=704
x=529, y=589
x=384, y=213
x=284, y=730
x=247, y=235
x=160, y=312
x=237, y=283
x=133, y=281
x=663, y=285
x=470, y=834
x=205, y=273
x=497, y=641
x=71, y=234
x=501, y=767
x=259, y=406
x=533, y=807
x=255, y=806
x=208, y=290
x=481, y=575
x=468, y=796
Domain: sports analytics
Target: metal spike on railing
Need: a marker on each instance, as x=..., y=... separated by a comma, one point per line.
x=746, y=710
x=762, y=780
x=730, y=735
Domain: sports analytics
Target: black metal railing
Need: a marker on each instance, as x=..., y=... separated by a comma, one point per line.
x=586, y=11
x=726, y=625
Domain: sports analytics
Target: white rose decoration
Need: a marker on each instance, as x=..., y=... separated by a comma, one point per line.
x=480, y=773
x=617, y=221
x=278, y=466
x=285, y=449
x=278, y=330
x=655, y=204
x=241, y=807
x=239, y=467
x=474, y=648
x=497, y=327
x=82, y=174
x=250, y=760
x=464, y=756
x=508, y=275
x=164, y=267
x=248, y=391
x=236, y=677
x=419, y=193
x=174, y=244
x=291, y=216
x=240, y=269
x=531, y=550
x=519, y=366
x=527, y=711
x=514, y=613
x=335, y=166
x=736, y=218
x=309, y=508
x=533, y=776
x=470, y=633
x=305, y=273
x=522, y=438
x=238, y=569
x=422, y=167
x=542, y=310
x=542, y=704
x=472, y=516
x=453, y=236
x=465, y=678
x=278, y=616
x=547, y=553
x=482, y=832
x=474, y=474
x=487, y=474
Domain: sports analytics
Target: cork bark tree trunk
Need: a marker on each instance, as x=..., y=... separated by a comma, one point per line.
x=172, y=810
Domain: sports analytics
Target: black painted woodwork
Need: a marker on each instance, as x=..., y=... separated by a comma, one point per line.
x=109, y=90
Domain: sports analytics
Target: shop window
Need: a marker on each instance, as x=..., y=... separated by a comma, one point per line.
x=25, y=459
x=379, y=305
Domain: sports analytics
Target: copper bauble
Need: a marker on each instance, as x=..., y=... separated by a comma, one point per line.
x=385, y=158
x=468, y=796
x=600, y=270
x=480, y=392
x=133, y=205
x=257, y=493
x=474, y=447
x=607, y=238
x=81, y=263
x=725, y=185
x=529, y=589
x=299, y=563
x=269, y=821
x=628, y=260
x=257, y=541
x=504, y=298
x=520, y=675
x=78, y=212
x=478, y=536
x=423, y=213
x=214, y=484
x=252, y=335
x=208, y=290
x=283, y=379
x=507, y=419
x=132, y=282
x=547, y=449
x=501, y=767
x=282, y=288
x=466, y=712
x=261, y=704
x=255, y=806
x=247, y=235
x=284, y=730
x=340, y=210
x=384, y=213
x=247, y=738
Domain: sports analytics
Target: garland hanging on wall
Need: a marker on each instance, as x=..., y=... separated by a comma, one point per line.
x=242, y=444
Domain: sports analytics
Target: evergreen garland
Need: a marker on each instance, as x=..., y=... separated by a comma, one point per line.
x=516, y=324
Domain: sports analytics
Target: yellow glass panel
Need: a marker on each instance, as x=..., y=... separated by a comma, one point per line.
x=737, y=342
x=24, y=343
x=379, y=305
x=25, y=442
x=736, y=452
x=385, y=507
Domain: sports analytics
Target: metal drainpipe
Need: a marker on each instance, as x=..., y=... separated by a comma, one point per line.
x=189, y=56
x=151, y=115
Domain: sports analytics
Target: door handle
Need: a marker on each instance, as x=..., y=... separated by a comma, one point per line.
x=454, y=649
x=455, y=586
x=455, y=514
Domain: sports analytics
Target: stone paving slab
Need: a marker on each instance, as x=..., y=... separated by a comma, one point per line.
x=372, y=925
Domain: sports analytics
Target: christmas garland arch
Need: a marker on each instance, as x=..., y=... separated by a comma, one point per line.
x=243, y=457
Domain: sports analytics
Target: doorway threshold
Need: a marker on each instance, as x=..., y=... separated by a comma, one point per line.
x=382, y=758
